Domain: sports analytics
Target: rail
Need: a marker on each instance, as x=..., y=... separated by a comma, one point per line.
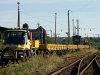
x=88, y=65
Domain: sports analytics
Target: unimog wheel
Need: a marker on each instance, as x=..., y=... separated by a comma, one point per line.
x=8, y=54
x=24, y=57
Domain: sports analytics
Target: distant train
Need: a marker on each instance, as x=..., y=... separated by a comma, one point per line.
x=21, y=44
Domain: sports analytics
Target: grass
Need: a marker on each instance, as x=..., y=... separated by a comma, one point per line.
x=41, y=65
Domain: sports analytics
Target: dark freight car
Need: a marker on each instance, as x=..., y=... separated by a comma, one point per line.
x=76, y=39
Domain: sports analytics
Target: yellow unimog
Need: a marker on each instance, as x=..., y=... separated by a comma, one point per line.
x=18, y=45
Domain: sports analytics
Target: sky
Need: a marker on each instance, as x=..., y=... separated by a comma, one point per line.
x=43, y=12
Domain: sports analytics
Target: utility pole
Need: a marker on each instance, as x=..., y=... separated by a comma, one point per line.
x=73, y=28
x=68, y=28
x=38, y=25
x=55, y=28
x=51, y=33
x=18, y=16
x=77, y=26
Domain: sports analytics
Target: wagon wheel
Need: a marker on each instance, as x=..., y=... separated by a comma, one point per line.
x=38, y=52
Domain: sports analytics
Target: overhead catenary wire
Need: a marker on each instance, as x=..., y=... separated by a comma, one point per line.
x=52, y=22
x=84, y=6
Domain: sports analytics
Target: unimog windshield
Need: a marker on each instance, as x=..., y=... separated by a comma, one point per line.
x=14, y=37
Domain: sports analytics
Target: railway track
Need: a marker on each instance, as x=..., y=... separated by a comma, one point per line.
x=88, y=65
